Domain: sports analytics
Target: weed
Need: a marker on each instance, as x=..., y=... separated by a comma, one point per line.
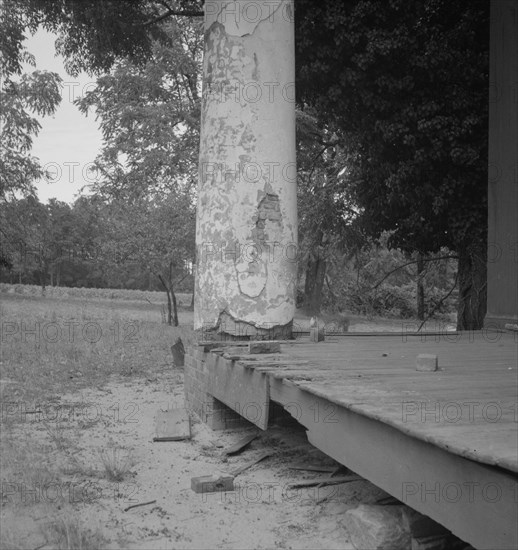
x=68, y=534
x=8, y=541
x=117, y=463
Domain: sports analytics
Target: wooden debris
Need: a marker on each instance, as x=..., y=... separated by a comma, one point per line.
x=312, y=468
x=322, y=482
x=241, y=469
x=387, y=501
x=241, y=444
x=173, y=425
x=334, y=473
x=139, y=504
x=178, y=351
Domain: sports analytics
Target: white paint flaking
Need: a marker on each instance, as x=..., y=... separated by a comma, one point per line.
x=241, y=23
x=259, y=291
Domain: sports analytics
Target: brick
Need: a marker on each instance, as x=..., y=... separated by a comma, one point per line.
x=427, y=362
x=212, y=484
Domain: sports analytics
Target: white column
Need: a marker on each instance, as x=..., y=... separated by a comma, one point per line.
x=246, y=231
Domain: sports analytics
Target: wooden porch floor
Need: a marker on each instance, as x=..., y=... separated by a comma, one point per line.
x=445, y=442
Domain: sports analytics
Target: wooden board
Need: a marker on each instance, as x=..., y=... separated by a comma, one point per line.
x=450, y=489
x=172, y=425
x=242, y=389
x=477, y=387
x=364, y=404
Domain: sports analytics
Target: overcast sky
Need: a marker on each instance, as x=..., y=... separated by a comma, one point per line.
x=68, y=141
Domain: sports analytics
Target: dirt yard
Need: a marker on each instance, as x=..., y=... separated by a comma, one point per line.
x=262, y=512
x=77, y=428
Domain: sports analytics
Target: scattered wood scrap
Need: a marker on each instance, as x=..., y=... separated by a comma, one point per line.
x=312, y=468
x=335, y=472
x=322, y=482
x=139, y=504
x=256, y=460
x=240, y=445
x=388, y=501
x=178, y=351
x=173, y=425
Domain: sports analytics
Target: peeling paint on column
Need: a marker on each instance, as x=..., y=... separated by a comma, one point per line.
x=247, y=220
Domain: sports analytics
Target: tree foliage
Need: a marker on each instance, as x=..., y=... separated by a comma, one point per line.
x=149, y=116
x=23, y=98
x=400, y=86
x=100, y=243
x=405, y=85
x=94, y=34
x=326, y=213
x=157, y=234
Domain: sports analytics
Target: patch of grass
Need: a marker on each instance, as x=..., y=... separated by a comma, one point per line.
x=53, y=345
x=117, y=463
x=41, y=362
x=183, y=298
x=10, y=541
x=68, y=534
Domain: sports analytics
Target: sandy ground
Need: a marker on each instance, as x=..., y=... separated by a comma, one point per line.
x=261, y=513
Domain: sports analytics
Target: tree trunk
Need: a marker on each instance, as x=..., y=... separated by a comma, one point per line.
x=43, y=281
x=172, y=309
x=169, y=307
x=471, y=307
x=43, y=272
x=315, y=277
x=169, y=301
x=420, y=287
x=175, y=308
x=174, y=312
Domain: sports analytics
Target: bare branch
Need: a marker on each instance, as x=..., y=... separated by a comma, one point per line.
x=326, y=145
x=177, y=282
x=170, y=13
x=162, y=281
x=410, y=263
x=440, y=302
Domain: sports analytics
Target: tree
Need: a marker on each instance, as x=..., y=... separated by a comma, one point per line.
x=149, y=115
x=325, y=214
x=157, y=234
x=405, y=84
x=28, y=236
x=22, y=97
